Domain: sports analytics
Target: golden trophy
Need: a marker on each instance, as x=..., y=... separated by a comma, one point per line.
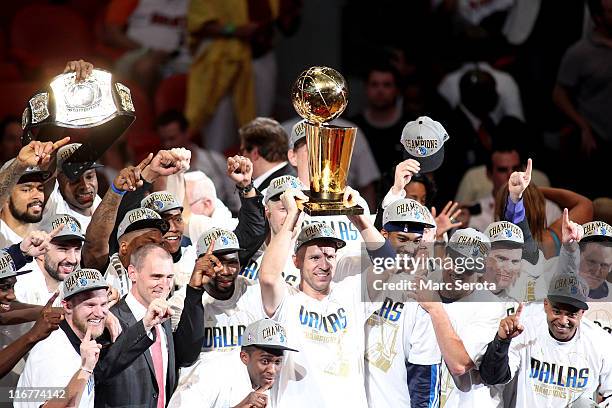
x=319, y=95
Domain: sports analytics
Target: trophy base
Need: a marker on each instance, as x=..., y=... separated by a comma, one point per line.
x=330, y=208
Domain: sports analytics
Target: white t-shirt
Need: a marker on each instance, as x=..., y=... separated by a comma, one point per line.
x=32, y=287
x=8, y=237
x=476, y=324
x=158, y=24
x=329, y=335
x=57, y=205
x=221, y=382
x=290, y=273
x=395, y=334
x=52, y=363
x=224, y=320
x=551, y=373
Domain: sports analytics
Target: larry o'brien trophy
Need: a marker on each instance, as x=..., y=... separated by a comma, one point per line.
x=319, y=95
x=96, y=103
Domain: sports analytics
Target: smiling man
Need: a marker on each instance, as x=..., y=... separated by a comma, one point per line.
x=79, y=197
x=49, y=270
x=556, y=356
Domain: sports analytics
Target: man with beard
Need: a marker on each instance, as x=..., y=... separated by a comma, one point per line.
x=53, y=361
x=231, y=302
x=22, y=190
x=49, y=270
x=402, y=357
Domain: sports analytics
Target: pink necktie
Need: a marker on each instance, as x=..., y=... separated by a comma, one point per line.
x=158, y=364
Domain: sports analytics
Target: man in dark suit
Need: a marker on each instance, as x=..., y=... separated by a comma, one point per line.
x=151, y=379
x=265, y=143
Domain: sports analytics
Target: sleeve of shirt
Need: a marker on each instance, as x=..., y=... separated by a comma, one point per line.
x=119, y=11
x=251, y=229
x=420, y=339
x=390, y=198
x=197, y=390
x=495, y=367
x=515, y=212
x=177, y=302
x=189, y=333
x=18, y=257
x=605, y=377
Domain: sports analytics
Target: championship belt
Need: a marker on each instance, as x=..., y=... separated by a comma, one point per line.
x=97, y=103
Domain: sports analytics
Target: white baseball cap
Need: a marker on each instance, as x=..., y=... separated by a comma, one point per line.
x=160, y=202
x=266, y=333
x=279, y=185
x=424, y=140
x=469, y=243
x=407, y=211
x=225, y=242
x=298, y=132
x=318, y=231
x=506, y=232
x=596, y=231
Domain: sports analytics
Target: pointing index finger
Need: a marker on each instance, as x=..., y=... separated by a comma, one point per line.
x=519, y=310
x=566, y=220
x=61, y=143
x=52, y=299
x=87, y=334
x=56, y=231
x=529, y=167
x=145, y=162
x=211, y=247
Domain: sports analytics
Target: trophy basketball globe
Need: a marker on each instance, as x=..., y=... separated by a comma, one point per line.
x=319, y=95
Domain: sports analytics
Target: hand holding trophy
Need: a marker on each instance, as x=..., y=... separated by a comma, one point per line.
x=319, y=95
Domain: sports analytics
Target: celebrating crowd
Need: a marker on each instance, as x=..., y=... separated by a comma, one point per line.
x=200, y=280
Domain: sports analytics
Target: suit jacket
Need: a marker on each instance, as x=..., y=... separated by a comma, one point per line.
x=136, y=386
x=286, y=170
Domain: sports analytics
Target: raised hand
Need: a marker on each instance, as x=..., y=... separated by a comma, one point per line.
x=36, y=243
x=113, y=296
x=158, y=312
x=82, y=69
x=570, y=231
x=129, y=178
x=447, y=219
x=206, y=267
x=351, y=197
x=510, y=327
x=403, y=174
x=518, y=182
x=90, y=351
x=37, y=153
x=167, y=163
x=49, y=320
x=112, y=324
x=240, y=170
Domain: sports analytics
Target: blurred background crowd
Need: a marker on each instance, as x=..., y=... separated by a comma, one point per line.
x=508, y=79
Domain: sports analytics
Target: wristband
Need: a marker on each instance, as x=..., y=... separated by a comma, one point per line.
x=116, y=190
x=86, y=370
x=245, y=190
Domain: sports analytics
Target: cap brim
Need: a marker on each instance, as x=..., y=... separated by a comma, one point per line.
x=274, y=347
x=227, y=251
x=339, y=243
x=34, y=176
x=148, y=223
x=68, y=237
x=429, y=163
x=23, y=272
x=596, y=238
x=569, y=301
